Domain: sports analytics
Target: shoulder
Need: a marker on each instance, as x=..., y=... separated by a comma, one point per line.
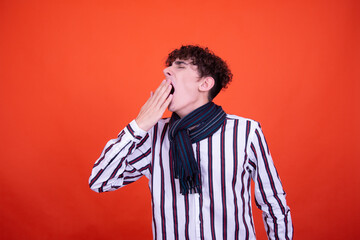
x=241, y=120
x=243, y=124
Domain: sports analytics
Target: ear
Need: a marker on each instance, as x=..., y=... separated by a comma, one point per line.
x=206, y=84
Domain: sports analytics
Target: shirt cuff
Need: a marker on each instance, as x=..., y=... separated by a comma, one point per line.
x=135, y=130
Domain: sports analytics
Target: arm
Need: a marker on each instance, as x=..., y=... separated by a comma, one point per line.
x=123, y=160
x=126, y=158
x=269, y=193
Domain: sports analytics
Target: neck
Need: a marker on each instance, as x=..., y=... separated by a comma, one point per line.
x=182, y=113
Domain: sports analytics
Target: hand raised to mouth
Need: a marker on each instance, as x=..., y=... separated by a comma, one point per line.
x=154, y=108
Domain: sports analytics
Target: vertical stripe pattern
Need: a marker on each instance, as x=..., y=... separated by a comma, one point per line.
x=228, y=161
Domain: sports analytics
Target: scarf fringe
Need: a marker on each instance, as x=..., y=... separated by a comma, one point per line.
x=190, y=185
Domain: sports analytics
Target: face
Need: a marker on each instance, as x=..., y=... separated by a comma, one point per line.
x=186, y=81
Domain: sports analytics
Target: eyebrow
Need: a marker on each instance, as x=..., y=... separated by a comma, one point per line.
x=179, y=62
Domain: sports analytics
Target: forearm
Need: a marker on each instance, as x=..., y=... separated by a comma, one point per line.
x=269, y=192
x=277, y=218
x=108, y=170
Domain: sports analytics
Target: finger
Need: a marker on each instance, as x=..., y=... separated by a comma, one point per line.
x=154, y=95
x=162, y=98
x=164, y=84
x=166, y=103
x=157, y=98
x=150, y=99
x=160, y=87
x=162, y=93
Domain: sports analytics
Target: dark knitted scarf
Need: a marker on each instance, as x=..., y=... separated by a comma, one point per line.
x=197, y=125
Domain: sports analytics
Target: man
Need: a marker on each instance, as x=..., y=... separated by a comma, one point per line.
x=200, y=161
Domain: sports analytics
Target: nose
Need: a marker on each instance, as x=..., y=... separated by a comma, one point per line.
x=167, y=72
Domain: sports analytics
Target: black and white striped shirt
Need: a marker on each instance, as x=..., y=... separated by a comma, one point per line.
x=227, y=160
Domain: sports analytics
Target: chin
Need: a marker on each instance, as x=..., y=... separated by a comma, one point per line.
x=171, y=108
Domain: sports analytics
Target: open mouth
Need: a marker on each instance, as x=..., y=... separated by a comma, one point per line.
x=172, y=89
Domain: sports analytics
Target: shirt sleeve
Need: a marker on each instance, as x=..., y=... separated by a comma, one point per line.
x=123, y=160
x=269, y=193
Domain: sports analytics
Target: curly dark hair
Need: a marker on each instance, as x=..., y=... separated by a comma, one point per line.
x=208, y=65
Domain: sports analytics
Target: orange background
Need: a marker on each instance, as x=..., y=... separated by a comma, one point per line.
x=74, y=73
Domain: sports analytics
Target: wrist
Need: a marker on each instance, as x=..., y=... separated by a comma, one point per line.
x=142, y=126
x=138, y=128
